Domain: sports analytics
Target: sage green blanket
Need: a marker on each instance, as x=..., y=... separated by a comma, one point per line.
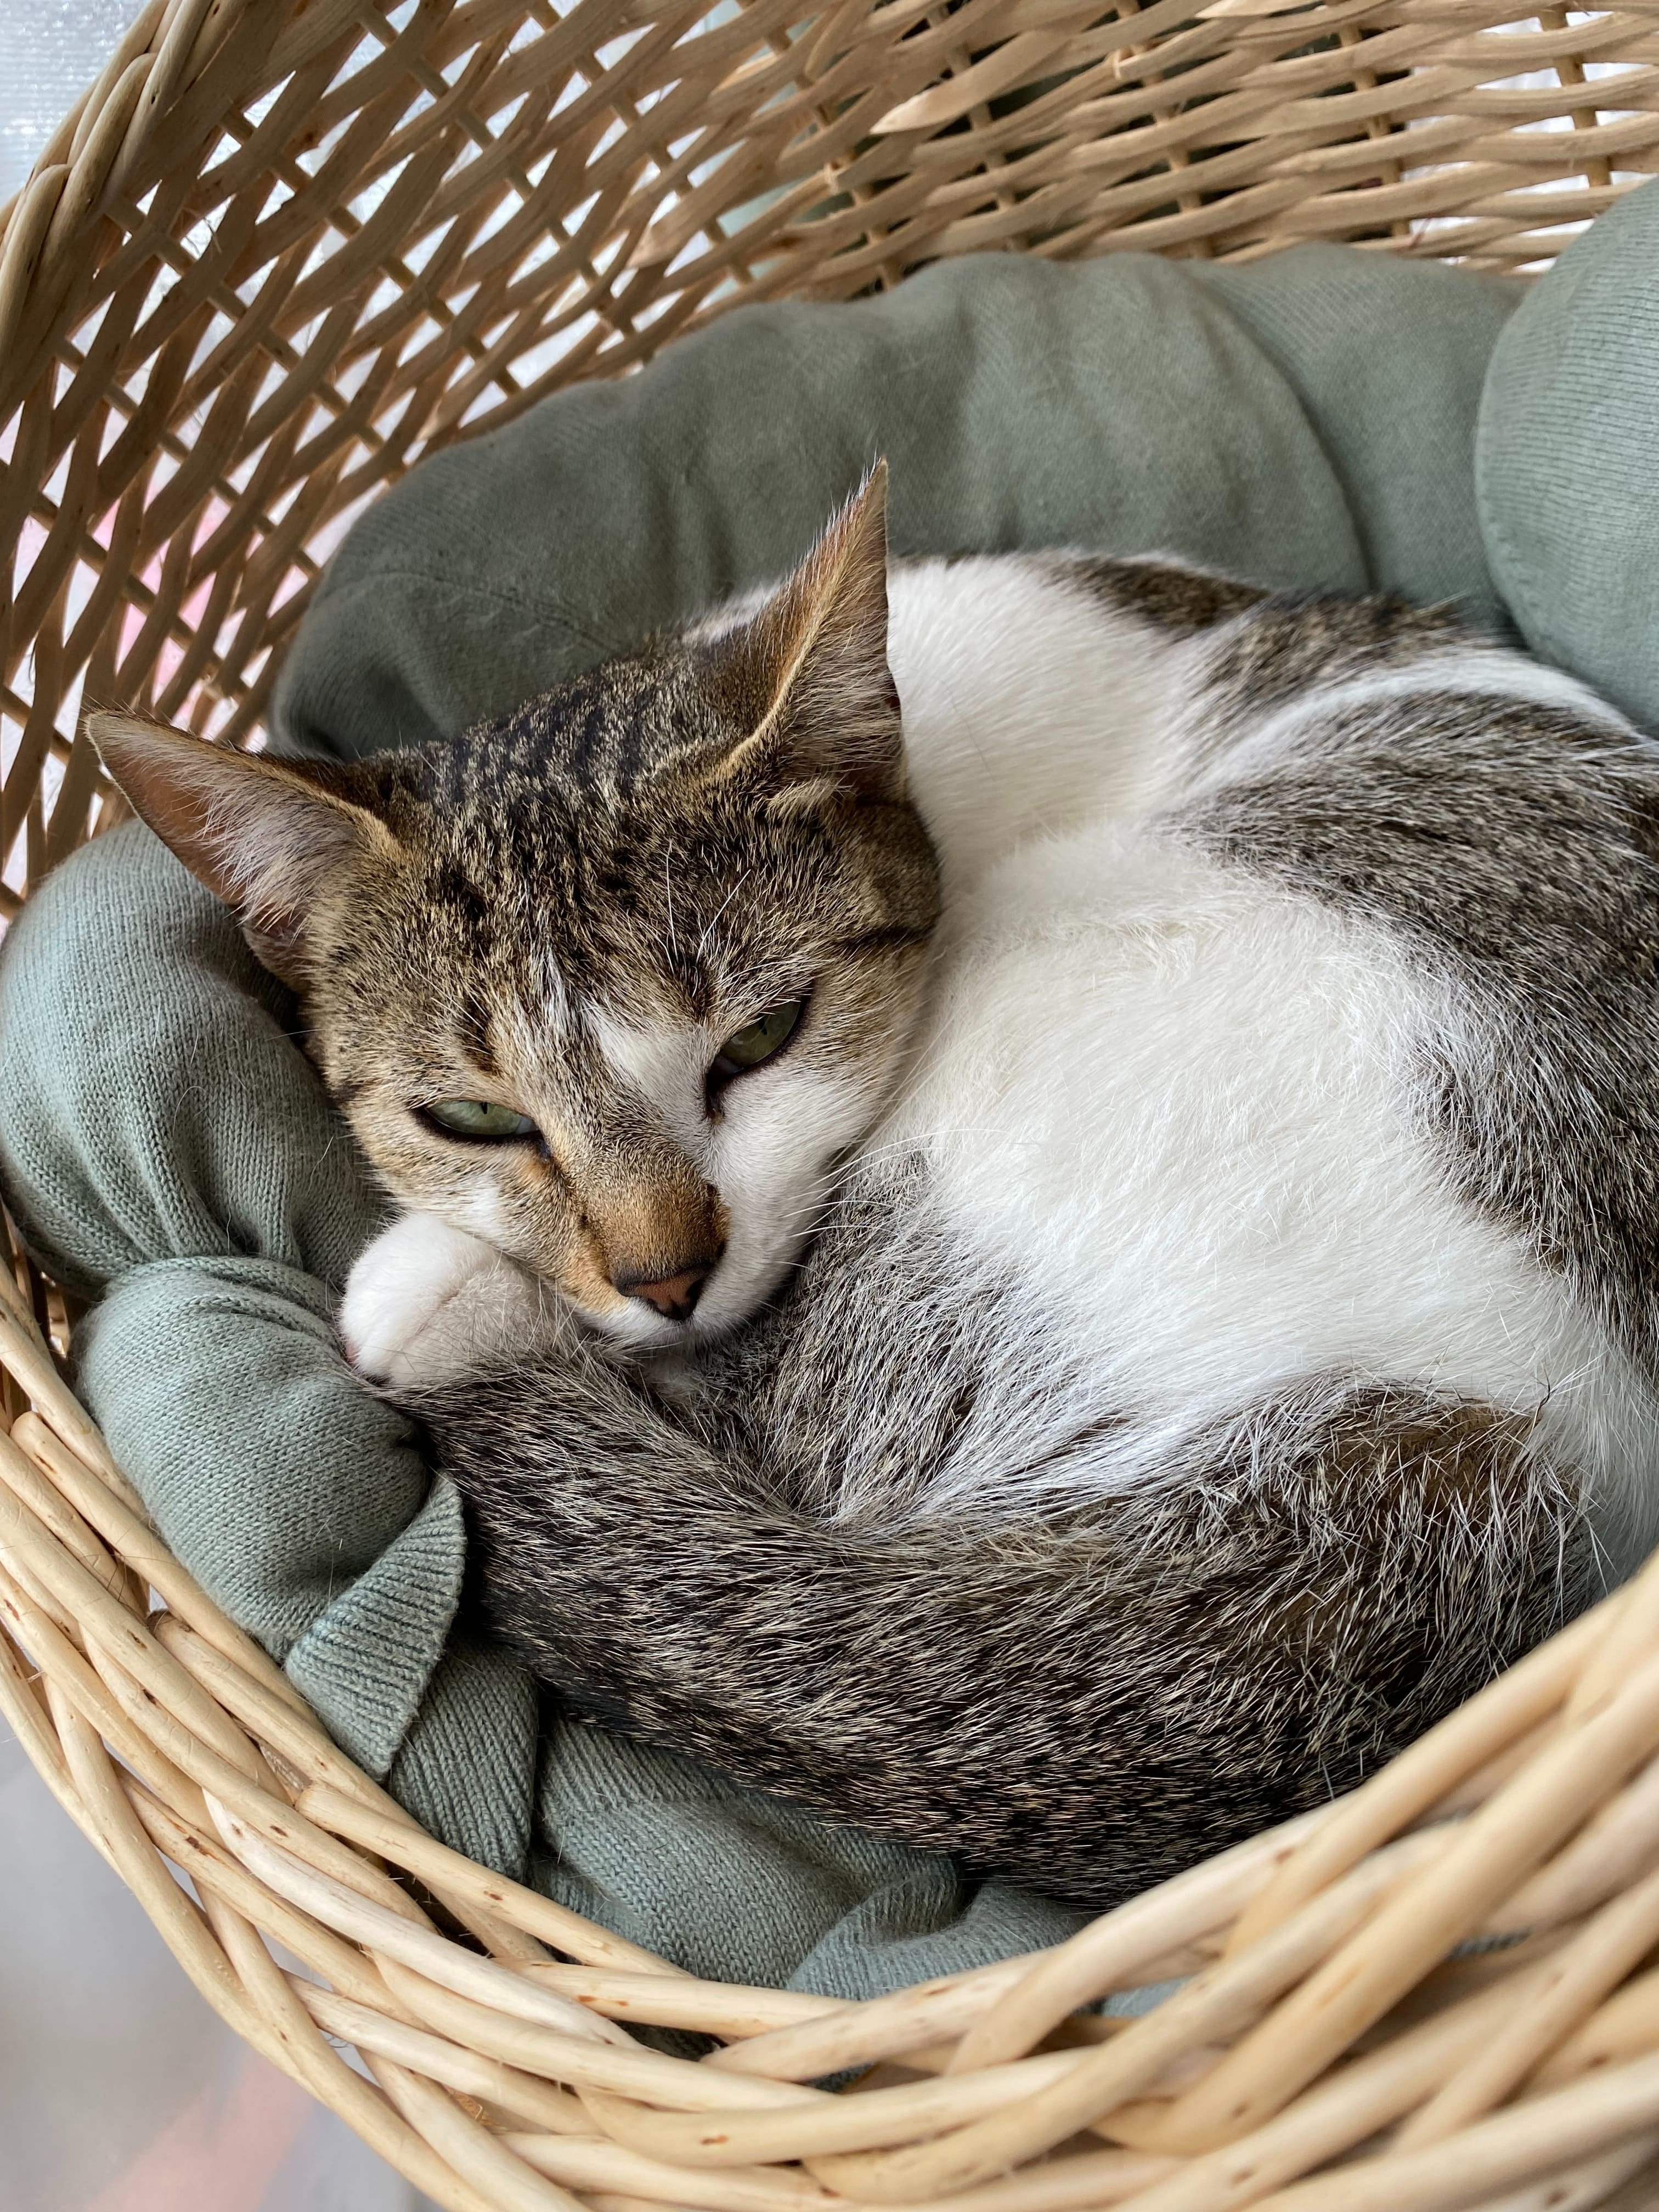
x=1308, y=422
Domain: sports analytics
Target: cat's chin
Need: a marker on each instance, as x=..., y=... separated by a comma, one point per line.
x=724, y=1308
x=649, y=1335
x=641, y=1334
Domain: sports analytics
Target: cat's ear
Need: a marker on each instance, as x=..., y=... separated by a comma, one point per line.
x=809, y=672
x=267, y=836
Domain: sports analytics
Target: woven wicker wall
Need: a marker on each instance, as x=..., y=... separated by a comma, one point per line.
x=281, y=250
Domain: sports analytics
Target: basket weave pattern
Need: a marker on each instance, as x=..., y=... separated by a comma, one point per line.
x=278, y=252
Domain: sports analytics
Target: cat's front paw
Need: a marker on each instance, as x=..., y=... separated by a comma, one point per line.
x=427, y=1303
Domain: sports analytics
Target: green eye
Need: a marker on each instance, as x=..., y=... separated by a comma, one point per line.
x=478, y=1117
x=747, y=1047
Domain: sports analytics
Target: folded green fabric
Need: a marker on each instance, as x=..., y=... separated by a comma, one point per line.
x=163, y=1142
x=169, y=1146
x=1567, y=459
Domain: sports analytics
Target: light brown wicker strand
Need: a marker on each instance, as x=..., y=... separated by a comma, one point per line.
x=1211, y=2009
x=1315, y=1854
x=163, y=1708
x=1507, y=1838
x=1532, y=1692
x=295, y=2045
x=1217, y=2003
x=1590, y=2184
x=85, y=1490
x=1507, y=2149
x=1083, y=2184
x=394, y=1930
x=512, y=1921
x=370, y=2027
x=1578, y=1979
x=47, y=1649
x=103, y=1813
x=23, y=1706
x=213, y=1870
x=28, y=1358
x=1624, y=2027
x=1353, y=2105
x=1614, y=1848
x=48, y=1504
x=509, y=2183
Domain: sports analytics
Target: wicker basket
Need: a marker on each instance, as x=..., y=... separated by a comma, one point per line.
x=281, y=249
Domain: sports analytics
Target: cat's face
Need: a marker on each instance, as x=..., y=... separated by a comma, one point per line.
x=615, y=983
x=624, y=1034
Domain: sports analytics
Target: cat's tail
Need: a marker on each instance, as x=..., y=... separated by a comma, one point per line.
x=1083, y=1701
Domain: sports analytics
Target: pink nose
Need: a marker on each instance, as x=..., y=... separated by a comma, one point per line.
x=675, y=1298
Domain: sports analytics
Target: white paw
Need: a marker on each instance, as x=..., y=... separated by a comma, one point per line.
x=426, y=1303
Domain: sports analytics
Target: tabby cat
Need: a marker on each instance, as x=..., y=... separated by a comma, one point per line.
x=1030, y=1181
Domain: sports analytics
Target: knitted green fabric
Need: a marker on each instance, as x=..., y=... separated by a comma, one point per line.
x=166, y=1148
x=1566, y=458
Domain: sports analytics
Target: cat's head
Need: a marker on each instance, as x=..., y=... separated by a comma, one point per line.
x=614, y=982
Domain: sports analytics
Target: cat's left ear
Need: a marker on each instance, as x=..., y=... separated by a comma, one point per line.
x=809, y=673
x=267, y=836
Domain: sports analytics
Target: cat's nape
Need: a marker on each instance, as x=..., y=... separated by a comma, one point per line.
x=1233, y=1273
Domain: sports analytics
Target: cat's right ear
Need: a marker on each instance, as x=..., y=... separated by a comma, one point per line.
x=267, y=836
x=808, y=673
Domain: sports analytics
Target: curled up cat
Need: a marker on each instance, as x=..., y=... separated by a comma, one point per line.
x=1030, y=1181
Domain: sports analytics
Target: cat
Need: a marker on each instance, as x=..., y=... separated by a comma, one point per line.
x=1030, y=1179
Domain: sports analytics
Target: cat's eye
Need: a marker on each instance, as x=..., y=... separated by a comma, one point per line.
x=756, y=1042
x=481, y=1118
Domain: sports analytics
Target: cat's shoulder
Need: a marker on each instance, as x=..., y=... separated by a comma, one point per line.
x=1158, y=591
x=1180, y=600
